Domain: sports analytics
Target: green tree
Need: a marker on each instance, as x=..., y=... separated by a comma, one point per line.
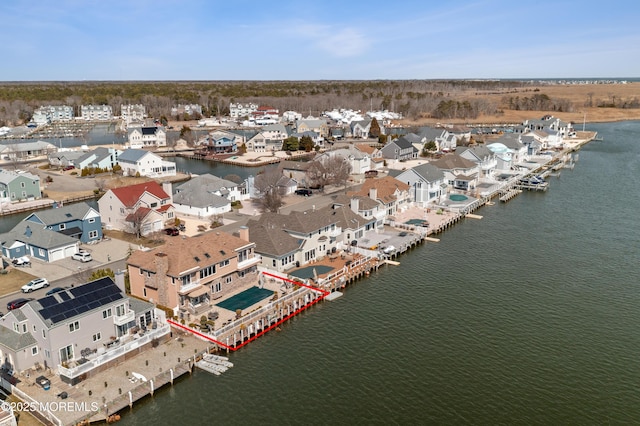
x=306, y=143
x=291, y=144
x=101, y=273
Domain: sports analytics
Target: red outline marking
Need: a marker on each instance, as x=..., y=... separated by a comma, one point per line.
x=325, y=293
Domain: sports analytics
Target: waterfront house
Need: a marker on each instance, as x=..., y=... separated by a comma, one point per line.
x=551, y=123
x=37, y=241
x=78, y=220
x=78, y=331
x=187, y=274
x=64, y=158
x=138, y=162
x=96, y=112
x=287, y=241
x=482, y=156
x=365, y=206
x=219, y=142
x=103, y=158
x=205, y=195
x=19, y=186
x=143, y=208
x=426, y=183
x=52, y=113
x=390, y=193
x=459, y=173
x=147, y=136
x=509, y=150
x=26, y=150
x=269, y=138
x=400, y=149
x=546, y=138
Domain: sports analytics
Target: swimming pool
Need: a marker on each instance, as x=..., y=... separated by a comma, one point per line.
x=458, y=197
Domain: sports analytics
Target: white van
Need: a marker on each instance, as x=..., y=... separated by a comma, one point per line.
x=83, y=256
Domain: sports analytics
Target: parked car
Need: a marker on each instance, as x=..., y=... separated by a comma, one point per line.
x=304, y=192
x=35, y=284
x=55, y=290
x=17, y=303
x=172, y=231
x=82, y=256
x=69, y=168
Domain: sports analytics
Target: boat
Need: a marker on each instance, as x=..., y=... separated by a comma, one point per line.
x=211, y=367
x=217, y=359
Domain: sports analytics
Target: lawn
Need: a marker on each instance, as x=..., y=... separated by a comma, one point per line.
x=14, y=279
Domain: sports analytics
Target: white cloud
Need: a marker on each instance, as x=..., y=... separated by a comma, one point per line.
x=343, y=42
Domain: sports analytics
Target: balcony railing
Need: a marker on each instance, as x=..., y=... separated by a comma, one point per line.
x=94, y=362
x=124, y=319
x=255, y=260
x=184, y=289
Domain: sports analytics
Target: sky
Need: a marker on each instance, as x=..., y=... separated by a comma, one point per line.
x=75, y=40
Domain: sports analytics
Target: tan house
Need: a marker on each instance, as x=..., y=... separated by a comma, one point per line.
x=143, y=208
x=392, y=195
x=186, y=274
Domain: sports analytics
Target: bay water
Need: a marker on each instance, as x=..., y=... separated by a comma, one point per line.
x=528, y=316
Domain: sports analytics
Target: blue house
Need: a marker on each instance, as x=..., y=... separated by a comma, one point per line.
x=52, y=234
x=79, y=221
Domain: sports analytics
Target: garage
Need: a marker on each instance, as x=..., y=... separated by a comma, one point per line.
x=56, y=254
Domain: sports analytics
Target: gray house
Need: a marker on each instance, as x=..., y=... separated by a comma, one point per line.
x=78, y=331
x=78, y=220
x=427, y=183
x=399, y=149
x=205, y=195
x=19, y=186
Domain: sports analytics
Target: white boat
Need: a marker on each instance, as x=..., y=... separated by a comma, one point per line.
x=211, y=367
x=219, y=360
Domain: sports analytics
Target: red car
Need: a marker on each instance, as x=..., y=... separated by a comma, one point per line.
x=172, y=231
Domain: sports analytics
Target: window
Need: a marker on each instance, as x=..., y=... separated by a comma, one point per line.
x=216, y=288
x=34, y=350
x=34, y=328
x=24, y=328
x=106, y=313
x=74, y=326
x=170, y=215
x=93, y=219
x=228, y=279
x=63, y=226
x=22, y=185
x=97, y=337
x=154, y=205
x=66, y=353
x=144, y=292
x=224, y=263
x=209, y=270
x=41, y=252
x=120, y=310
x=44, y=333
x=93, y=234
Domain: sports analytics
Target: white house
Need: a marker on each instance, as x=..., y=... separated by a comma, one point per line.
x=426, y=183
x=138, y=162
x=205, y=195
x=147, y=136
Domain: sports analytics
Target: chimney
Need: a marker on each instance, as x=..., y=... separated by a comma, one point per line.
x=166, y=187
x=162, y=266
x=244, y=233
x=119, y=280
x=355, y=205
x=373, y=194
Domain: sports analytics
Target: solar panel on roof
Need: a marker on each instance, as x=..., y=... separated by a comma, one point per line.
x=94, y=305
x=48, y=301
x=57, y=318
x=64, y=296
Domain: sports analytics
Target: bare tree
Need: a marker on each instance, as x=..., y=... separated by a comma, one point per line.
x=317, y=174
x=268, y=192
x=101, y=185
x=136, y=221
x=339, y=170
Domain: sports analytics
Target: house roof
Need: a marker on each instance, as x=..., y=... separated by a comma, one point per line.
x=133, y=155
x=428, y=172
x=15, y=341
x=479, y=151
x=69, y=212
x=413, y=138
x=301, y=166
x=385, y=187
x=364, y=201
x=7, y=176
x=367, y=149
x=347, y=218
x=453, y=161
x=402, y=142
x=35, y=235
x=431, y=133
x=129, y=195
x=200, y=199
x=270, y=237
x=188, y=253
x=510, y=140
x=75, y=302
